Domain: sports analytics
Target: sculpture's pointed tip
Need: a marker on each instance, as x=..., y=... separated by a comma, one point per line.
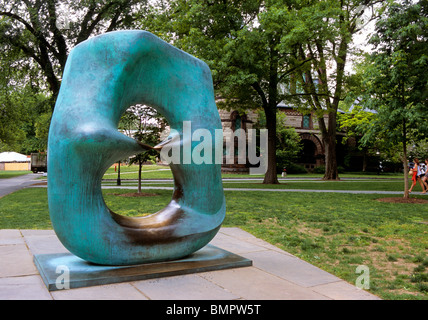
x=159, y=146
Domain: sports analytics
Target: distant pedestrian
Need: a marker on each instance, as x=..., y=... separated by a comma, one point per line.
x=424, y=176
x=416, y=176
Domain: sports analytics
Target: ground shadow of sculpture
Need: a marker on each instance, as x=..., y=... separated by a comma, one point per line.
x=102, y=78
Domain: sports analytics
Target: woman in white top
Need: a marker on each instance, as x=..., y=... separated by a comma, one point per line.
x=417, y=176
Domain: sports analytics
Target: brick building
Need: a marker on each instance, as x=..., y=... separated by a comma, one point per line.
x=306, y=125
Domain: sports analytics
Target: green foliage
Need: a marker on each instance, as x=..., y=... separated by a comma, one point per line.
x=241, y=43
x=35, y=39
x=10, y=114
x=358, y=124
x=320, y=169
x=357, y=121
x=295, y=169
x=45, y=31
x=323, y=33
x=265, y=52
x=25, y=119
x=395, y=77
x=145, y=124
x=288, y=143
x=42, y=129
x=419, y=149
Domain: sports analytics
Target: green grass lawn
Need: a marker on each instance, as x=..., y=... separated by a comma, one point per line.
x=131, y=172
x=11, y=174
x=336, y=232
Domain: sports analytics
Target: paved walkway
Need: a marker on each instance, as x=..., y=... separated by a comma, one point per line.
x=269, y=190
x=275, y=275
x=13, y=184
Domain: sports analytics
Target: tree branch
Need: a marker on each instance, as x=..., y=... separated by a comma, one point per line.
x=61, y=54
x=311, y=94
x=27, y=50
x=261, y=93
x=85, y=32
x=28, y=26
x=82, y=34
x=114, y=21
x=293, y=69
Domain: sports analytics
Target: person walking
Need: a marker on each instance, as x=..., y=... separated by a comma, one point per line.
x=416, y=176
x=424, y=175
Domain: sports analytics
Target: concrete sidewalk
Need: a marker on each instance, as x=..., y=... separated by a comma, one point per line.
x=275, y=275
x=268, y=190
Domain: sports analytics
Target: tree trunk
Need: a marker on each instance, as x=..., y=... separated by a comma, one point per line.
x=329, y=136
x=271, y=175
x=270, y=111
x=140, y=167
x=405, y=164
x=364, y=160
x=329, y=141
x=118, y=182
x=330, y=157
x=406, y=176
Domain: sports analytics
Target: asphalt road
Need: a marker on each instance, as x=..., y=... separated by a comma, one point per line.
x=13, y=184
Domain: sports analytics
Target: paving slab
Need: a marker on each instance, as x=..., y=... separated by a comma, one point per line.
x=274, y=275
x=256, y=284
x=342, y=291
x=15, y=261
x=190, y=287
x=44, y=244
x=290, y=268
x=122, y=291
x=246, y=239
x=23, y=288
x=10, y=237
x=231, y=244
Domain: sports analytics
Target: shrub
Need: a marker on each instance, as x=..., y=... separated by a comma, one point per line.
x=295, y=168
x=321, y=169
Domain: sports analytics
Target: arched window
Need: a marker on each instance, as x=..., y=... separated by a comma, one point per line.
x=238, y=121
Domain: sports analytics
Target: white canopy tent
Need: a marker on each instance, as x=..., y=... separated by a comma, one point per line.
x=13, y=157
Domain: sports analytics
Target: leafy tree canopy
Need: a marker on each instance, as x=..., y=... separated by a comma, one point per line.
x=395, y=78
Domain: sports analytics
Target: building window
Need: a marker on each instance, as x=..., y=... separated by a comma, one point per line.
x=306, y=122
x=238, y=122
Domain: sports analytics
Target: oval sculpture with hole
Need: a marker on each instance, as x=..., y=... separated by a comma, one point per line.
x=103, y=77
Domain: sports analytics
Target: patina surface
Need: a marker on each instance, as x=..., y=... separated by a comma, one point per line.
x=103, y=77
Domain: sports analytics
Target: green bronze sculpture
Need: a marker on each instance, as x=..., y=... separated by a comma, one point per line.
x=103, y=77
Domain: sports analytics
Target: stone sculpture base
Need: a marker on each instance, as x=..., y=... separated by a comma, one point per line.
x=66, y=271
